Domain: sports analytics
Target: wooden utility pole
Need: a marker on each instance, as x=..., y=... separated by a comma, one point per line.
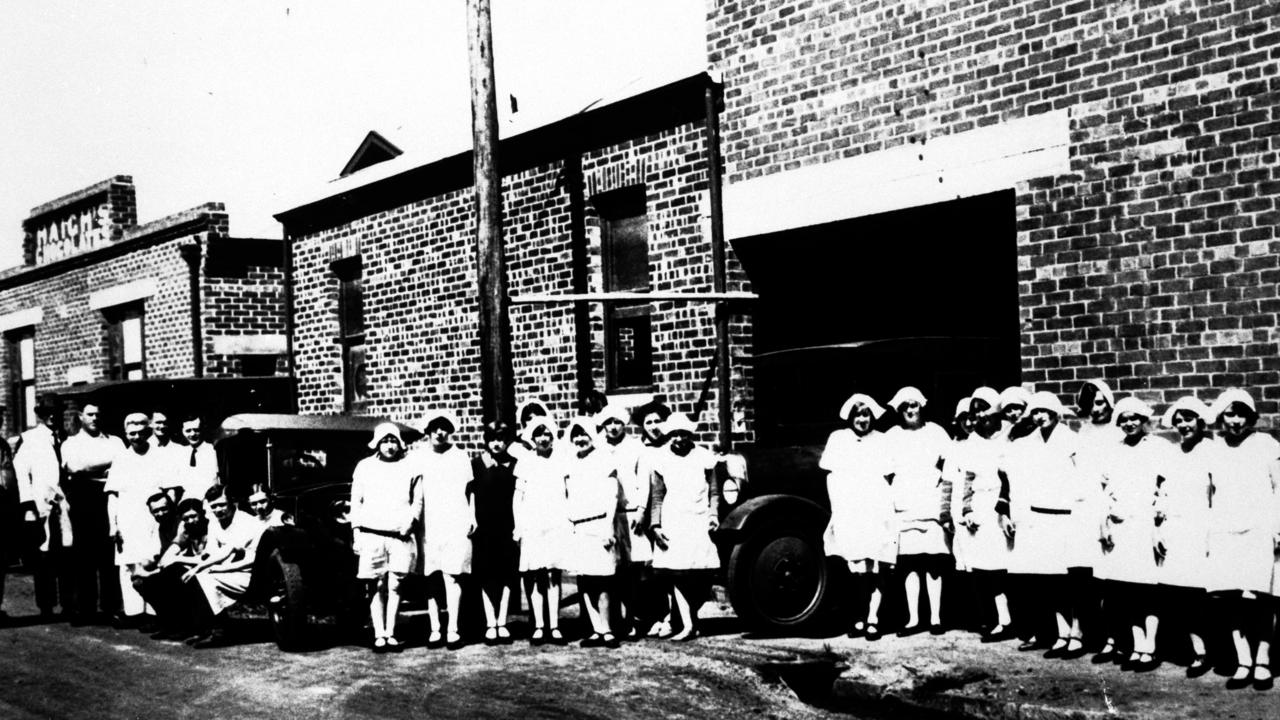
x=496, y=387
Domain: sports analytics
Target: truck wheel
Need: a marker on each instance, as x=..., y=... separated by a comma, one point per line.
x=287, y=605
x=777, y=579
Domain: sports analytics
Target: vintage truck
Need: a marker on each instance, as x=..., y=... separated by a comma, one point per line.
x=773, y=494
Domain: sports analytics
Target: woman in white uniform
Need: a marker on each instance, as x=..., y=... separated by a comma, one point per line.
x=1182, y=524
x=980, y=509
x=1130, y=479
x=651, y=593
x=684, y=510
x=448, y=519
x=1045, y=490
x=1095, y=406
x=916, y=449
x=382, y=518
x=541, y=527
x=1013, y=411
x=862, y=530
x=1243, y=522
x=635, y=550
x=593, y=492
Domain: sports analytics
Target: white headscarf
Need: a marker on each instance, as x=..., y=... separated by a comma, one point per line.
x=907, y=394
x=1229, y=396
x=541, y=421
x=1015, y=395
x=987, y=395
x=383, y=430
x=678, y=422
x=612, y=412
x=1132, y=405
x=846, y=410
x=1045, y=400
x=1104, y=390
x=1189, y=403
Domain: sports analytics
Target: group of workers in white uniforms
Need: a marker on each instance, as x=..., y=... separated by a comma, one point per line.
x=1109, y=530
x=592, y=501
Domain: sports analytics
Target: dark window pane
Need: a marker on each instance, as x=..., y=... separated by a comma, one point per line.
x=628, y=252
x=630, y=346
x=351, y=306
x=356, y=380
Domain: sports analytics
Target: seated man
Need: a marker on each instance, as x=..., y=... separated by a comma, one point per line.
x=161, y=582
x=224, y=572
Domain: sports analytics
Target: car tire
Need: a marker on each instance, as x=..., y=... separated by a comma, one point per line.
x=778, y=579
x=287, y=605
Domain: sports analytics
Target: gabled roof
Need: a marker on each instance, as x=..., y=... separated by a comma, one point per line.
x=373, y=150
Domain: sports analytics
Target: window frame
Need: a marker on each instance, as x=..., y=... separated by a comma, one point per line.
x=350, y=274
x=614, y=209
x=119, y=367
x=22, y=387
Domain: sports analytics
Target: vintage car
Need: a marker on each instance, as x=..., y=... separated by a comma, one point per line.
x=304, y=571
x=774, y=495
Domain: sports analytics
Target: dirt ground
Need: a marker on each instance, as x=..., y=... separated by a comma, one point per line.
x=56, y=671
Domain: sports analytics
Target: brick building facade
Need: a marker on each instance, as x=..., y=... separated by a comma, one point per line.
x=613, y=199
x=1119, y=157
x=102, y=298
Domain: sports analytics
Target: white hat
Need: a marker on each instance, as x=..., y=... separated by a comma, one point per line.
x=987, y=395
x=907, y=394
x=1103, y=389
x=1230, y=396
x=612, y=412
x=137, y=418
x=531, y=402
x=541, y=421
x=962, y=407
x=383, y=430
x=586, y=425
x=1015, y=395
x=1045, y=400
x=856, y=399
x=1132, y=406
x=433, y=415
x=1188, y=403
x=678, y=422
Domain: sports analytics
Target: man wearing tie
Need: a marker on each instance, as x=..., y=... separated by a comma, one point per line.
x=197, y=463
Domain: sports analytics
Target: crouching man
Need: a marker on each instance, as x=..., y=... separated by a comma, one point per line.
x=163, y=584
x=223, y=575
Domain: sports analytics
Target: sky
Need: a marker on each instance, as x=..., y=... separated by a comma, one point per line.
x=256, y=103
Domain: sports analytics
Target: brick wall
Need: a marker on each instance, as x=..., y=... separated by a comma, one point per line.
x=1153, y=261
x=73, y=335
x=420, y=286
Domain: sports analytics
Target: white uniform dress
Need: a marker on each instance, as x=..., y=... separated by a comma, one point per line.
x=222, y=588
x=540, y=512
x=132, y=479
x=1243, y=516
x=863, y=523
x=954, y=486
x=633, y=545
x=383, y=496
x=446, y=513
x=686, y=514
x=1130, y=477
x=918, y=489
x=981, y=501
x=1095, y=442
x=1183, y=500
x=1046, y=493
x=593, y=496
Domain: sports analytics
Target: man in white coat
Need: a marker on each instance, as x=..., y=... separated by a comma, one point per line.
x=46, y=516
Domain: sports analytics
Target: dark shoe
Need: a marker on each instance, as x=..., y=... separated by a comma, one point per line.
x=912, y=630
x=178, y=635
x=123, y=622
x=1262, y=678
x=999, y=633
x=856, y=631
x=1199, y=666
x=555, y=637
x=872, y=633
x=435, y=640
x=592, y=640
x=454, y=642
x=685, y=635
x=539, y=637
x=379, y=645
x=1236, y=682
x=1144, y=663
x=212, y=640
x=611, y=642
x=1057, y=650
x=1073, y=653
x=79, y=620
x=937, y=630
x=1105, y=656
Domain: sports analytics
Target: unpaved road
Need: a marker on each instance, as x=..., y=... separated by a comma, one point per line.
x=56, y=671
